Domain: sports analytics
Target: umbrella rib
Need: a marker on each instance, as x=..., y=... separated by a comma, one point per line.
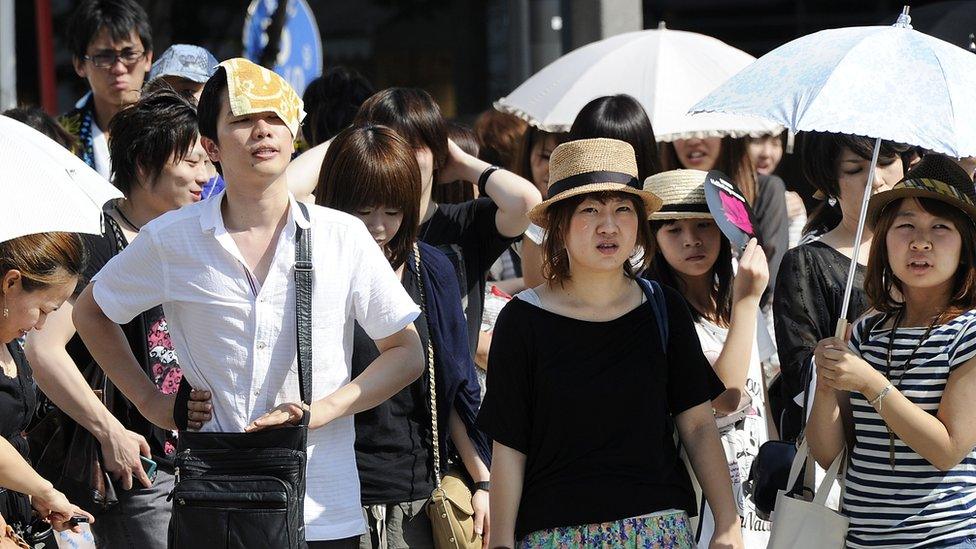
x=952, y=106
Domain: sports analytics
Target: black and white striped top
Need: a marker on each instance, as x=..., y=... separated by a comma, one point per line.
x=914, y=504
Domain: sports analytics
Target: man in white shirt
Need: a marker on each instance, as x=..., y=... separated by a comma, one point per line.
x=222, y=270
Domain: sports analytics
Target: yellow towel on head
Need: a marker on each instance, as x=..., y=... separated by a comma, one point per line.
x=252, y=88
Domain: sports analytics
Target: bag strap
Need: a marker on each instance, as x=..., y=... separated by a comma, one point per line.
x=823, y=489
x=830, y=477
x=303, y=307
x=655, y=295
x=430, y=374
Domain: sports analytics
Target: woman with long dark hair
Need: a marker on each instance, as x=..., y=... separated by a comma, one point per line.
x=693, y=257
x=765, y=193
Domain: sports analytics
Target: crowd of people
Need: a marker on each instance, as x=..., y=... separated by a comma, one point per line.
x=555, y=319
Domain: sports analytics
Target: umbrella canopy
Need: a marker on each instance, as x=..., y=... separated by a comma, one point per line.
x=892, y=83
x=667, y=71
x=44, y=187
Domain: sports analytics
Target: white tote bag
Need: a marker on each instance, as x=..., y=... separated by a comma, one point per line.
x=799, y=524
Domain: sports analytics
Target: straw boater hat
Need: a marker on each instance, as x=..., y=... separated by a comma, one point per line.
x=937, y=177
x=683, y=193
x=590, y=166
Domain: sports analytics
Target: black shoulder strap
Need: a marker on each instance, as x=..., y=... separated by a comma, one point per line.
x=118, y=239
x=303, y=307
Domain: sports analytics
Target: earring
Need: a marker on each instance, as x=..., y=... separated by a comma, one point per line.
x=832, y=201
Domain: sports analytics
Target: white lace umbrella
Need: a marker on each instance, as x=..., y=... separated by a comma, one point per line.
x=890, y=83
x=666, y=70
x=43, y=187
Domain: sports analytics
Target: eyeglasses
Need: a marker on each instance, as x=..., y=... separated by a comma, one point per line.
x=106, y=59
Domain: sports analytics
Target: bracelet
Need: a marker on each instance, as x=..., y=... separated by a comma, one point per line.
x=483, y=179
x=486, y=485
x=876, y=402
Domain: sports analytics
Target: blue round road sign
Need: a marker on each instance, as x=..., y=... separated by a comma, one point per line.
x=300, y=55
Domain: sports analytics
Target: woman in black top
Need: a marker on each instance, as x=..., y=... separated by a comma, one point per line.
x=586, y=387
x=372, y=173
x=38, y=272
x=812, y=276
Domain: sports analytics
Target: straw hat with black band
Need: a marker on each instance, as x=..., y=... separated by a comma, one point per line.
x=591, y=166
x=937, y=177
x=683, y=193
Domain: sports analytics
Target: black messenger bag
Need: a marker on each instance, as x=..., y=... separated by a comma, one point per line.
x=247, y=490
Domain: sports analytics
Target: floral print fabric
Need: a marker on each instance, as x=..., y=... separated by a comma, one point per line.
x=667, y=531
x=163, y=365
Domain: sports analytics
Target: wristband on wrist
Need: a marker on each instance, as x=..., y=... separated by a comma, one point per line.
x=483, y=179
x=482, y=486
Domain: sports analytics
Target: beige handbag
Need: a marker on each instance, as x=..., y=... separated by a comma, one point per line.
x=800, y=524
x=449, y=507
x=451, y=514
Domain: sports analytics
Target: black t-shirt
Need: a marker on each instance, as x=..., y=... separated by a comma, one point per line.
x=148, y=337
x=18, y=400
x=468, y=235
x=590, y=404
x=393, y=440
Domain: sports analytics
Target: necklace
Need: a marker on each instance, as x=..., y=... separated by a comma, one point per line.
x=126, y=219
x=888, y=367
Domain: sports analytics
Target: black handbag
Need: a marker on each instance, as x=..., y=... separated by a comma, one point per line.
x=70, y=456
x=770, y=470
x=243, y=490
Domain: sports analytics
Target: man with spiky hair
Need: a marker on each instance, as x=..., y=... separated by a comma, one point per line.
x=158, y=164
x=111, y=48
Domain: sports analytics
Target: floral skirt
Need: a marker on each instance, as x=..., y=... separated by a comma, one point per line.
x=663, y=531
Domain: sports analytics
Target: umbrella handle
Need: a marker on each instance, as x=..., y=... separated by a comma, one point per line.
x=841, y=331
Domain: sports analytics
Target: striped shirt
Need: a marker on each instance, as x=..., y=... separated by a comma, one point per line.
x=914, y=504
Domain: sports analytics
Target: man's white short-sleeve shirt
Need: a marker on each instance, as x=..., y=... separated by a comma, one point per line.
x=237, y=337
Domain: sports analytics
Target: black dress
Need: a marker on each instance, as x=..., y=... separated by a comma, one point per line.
x=18, y=400
x=808, y=300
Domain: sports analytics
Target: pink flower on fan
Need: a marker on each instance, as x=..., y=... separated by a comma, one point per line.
x=736, y=213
